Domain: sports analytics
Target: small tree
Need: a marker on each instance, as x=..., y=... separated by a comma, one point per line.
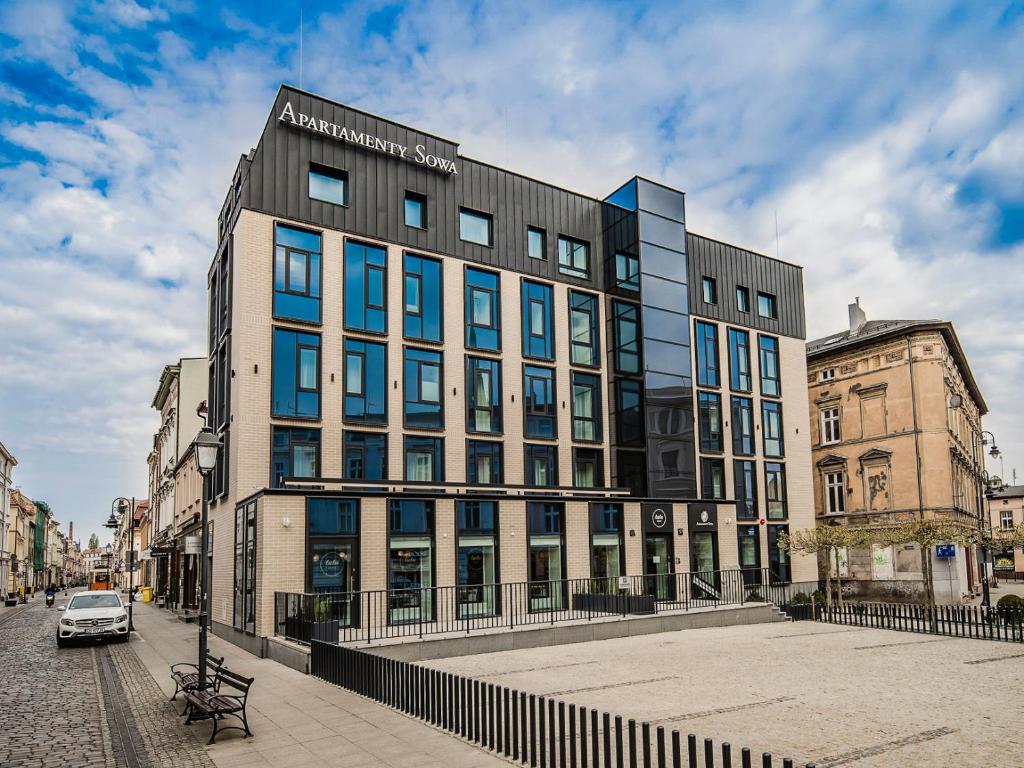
x=94, y=541
x=827, y=540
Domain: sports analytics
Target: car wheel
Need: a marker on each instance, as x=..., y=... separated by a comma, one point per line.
x=61, y=642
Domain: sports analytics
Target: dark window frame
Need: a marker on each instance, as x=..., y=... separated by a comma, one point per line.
x=591, y=455
x=497, y=450
x=762, y=352
x=739, y=475
x=495, y=298
x=570, y=268
x=770, y=468
x=437, y=451
x=345, y=448
x=708, y=442
x=297, y=378
x=631, y=282
x=743, y=299
x=709, y=364
x=619, y=317
x=707, y=465
x=420, y=364
x=543, y=243
x=620, y=409
x=738, y=404
x=367, y=269
x=547, y=451
x=592, y=310
x=772, y=406
x=496, y=409
x=329, y=172
x=292, y=444
x=735, y=351
x=595, y=419
x=528, y=406
x=418, y=276
x=709, y=290
x=480, y=214
x=345, y=352
x=288, y=249
x=417, y=197
x=773, y=305
x=548, y=311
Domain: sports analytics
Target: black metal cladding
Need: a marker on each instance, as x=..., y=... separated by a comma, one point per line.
x=732, y=266
x=277, y=184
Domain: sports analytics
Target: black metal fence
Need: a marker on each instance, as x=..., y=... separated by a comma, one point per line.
x=378, y=614
x=526, y=728
x=966, y=621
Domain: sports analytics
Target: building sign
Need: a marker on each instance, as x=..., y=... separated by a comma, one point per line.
x=656, y=517
x=703, y=517
x=945, y=550
x=193, y=545
x=417, y=154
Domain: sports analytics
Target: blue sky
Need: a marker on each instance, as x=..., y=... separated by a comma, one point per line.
x=886, y=141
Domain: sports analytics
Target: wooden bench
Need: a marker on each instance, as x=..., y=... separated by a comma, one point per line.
x=213, y=704
x=186, y=676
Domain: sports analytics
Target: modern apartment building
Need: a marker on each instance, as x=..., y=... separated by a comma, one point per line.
x=896, y=431
x=427, y=370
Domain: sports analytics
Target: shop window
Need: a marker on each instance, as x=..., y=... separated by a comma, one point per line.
x=546, y=527
x=476, y=564
x=607, y=550
x=410, y=560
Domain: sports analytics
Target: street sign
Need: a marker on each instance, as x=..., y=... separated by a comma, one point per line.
x=945, y=550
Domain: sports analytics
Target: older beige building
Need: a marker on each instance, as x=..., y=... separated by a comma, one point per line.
x=895, y=426
x=7, y=465
x=1005, y=511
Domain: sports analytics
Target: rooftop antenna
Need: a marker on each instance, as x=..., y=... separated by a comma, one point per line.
x=776, y=233
x=300, y=47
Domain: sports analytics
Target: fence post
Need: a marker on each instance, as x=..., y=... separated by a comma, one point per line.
x=583, y=738
x=607, y=721
x=572, y=736
x=661, y=746
x=726, y=755
x=691, y=749
x=551, y=733
x=632, y=743
x=645, y=736
x=618, y=741
x=709, y=753
x=745, y=758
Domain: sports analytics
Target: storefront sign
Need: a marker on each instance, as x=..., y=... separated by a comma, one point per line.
x=193, y=545
x=657, y=517
x=160, y=551
x=703, y=517
x=417, y=154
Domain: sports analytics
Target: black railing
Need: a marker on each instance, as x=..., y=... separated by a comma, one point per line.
x=380, y=614
x=523, y=727
x=968, y=621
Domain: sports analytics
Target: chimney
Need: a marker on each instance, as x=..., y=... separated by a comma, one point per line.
x=857, y=317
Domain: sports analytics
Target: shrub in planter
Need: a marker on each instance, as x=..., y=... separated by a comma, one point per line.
x=1010, y=609
x=860, y=609
x=800, y=598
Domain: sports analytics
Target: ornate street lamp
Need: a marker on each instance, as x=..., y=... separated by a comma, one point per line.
x=207, y=447
x=124, y=507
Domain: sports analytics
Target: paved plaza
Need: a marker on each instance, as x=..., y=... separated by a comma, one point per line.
x=836, y=695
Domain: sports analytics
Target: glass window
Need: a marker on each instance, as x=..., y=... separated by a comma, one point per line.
x=296, y=274
x=627, y=333
x=483, y=310
x=766, y=306
x=627, y=272
x=423, y=298
x=584, y=341
x=424, y=459
x=483, y=395
x=573, y=257
x=415, y=210
x=768, y=348
x=628, y=413
x=365, y=382
x=709, y=290
x=771, y=424
x=748, y=550
x=365, y=281
x=1006, y=519
x=775, y=490
x=587, y=468
x=830, y=426
x=742, y=298
x=410, y=560
x=484, y=464
x=366, y=456
x=538, y=321
x=541, y=465
x=586, y=407
x=328, y=184
x=474, y=227
x=423, y=386
x=607, y=551
x=539, y=401
x=712, y=478
x=536, y=246
x=707, y=355
x=778, y=558
x=476, y=566
x=296, y=374
x=835, y=492
x=742, y=426
x=709, y=405
x=739, y=360
x=295, y=453
x=546, y=556
x=745, y=482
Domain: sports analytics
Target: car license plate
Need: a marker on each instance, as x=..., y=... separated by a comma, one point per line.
x=93, y=631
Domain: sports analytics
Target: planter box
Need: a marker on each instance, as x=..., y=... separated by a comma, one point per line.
x=621, y=604
x=306, y=631
x=798, y=612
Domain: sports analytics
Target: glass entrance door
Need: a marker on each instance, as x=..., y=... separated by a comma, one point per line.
x=658, y=566
x=333, y=571
x=704, y=546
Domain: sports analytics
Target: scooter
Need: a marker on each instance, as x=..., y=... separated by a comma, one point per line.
x=49, y=601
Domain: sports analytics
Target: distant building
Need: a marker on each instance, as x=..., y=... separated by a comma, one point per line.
x=7, y=464
x=1006, y=510
x=888, y=397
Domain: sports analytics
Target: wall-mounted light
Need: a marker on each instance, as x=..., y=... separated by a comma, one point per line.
x=286, y=522
x=255, y=367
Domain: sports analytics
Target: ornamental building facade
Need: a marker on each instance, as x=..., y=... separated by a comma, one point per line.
x=435, y=372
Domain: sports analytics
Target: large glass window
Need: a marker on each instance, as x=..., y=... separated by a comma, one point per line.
x=484, y=463
x=538, y=321
x=328, y=184
x=365, y=287
x=424, y=459
x=410, y=560
x=831, y=431
x=707, y=355
x=629, y=425
x=365, y=382
x=587, y=467
x=573, y=257
x=475, y=227
x=627, y=337
x=584, y=343
x=712, y=478
x=768, y=348
x=296, y=274
x=295, y=453
x=539, y=401
x=476, y=566
x=709, y=406
x=766, y=305
x=366, y=455
x=739, y=360
x=748, y=552
x=483, y=310
x=607, y=553
x=775, y=490
x=245, y=568
x=541, y=465
x=547, y=556
x=627, y=272
x=835, y=492
x=536, y=243
x=771, y=426
x=745, y=484
x=333, y=531
x=423, y=385
x=742, y=426
x=423, y=298
x=296, y=374
x=415, y=210
x=483, y=395
x=586, y=407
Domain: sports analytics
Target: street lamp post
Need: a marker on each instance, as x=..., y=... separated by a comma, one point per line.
x=124, y=507
x=207, y=447
x=987, y=438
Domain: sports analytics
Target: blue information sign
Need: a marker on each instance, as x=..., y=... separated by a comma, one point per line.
x=945, y=550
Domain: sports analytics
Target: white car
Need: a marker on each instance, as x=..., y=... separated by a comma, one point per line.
x=95, y=614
